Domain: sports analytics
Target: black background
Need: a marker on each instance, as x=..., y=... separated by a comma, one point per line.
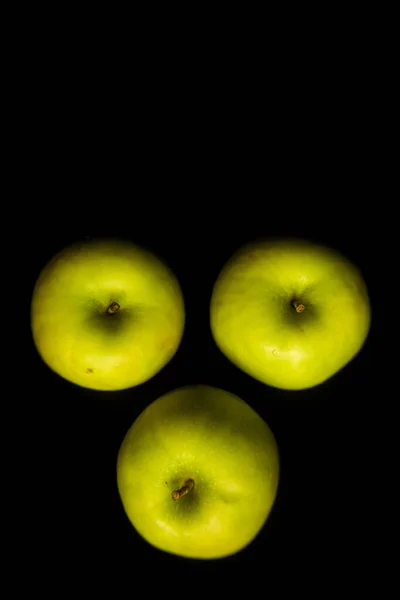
x=192, y=158
x=325, y=492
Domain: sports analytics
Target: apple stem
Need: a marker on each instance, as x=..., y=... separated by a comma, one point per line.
x=185, y=489
x=298, y=306
x=113, y=308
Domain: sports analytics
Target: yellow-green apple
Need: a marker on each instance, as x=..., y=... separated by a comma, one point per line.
x=289, y=312
x=198, y=473
x=107, y=314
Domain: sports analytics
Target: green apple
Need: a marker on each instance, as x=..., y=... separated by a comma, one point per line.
x=198, y=473
x=107, y=314
x=289, y=312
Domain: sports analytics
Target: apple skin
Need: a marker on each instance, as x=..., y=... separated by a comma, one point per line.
x=256, y=326
x=214, y=438
x=76, y=337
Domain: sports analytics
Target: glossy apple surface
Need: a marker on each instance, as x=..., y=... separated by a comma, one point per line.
x=106, y=314
x=198, y=473
x=289, y=312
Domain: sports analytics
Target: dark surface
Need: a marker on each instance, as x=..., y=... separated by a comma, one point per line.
x=193, y=149
x=325, y=495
